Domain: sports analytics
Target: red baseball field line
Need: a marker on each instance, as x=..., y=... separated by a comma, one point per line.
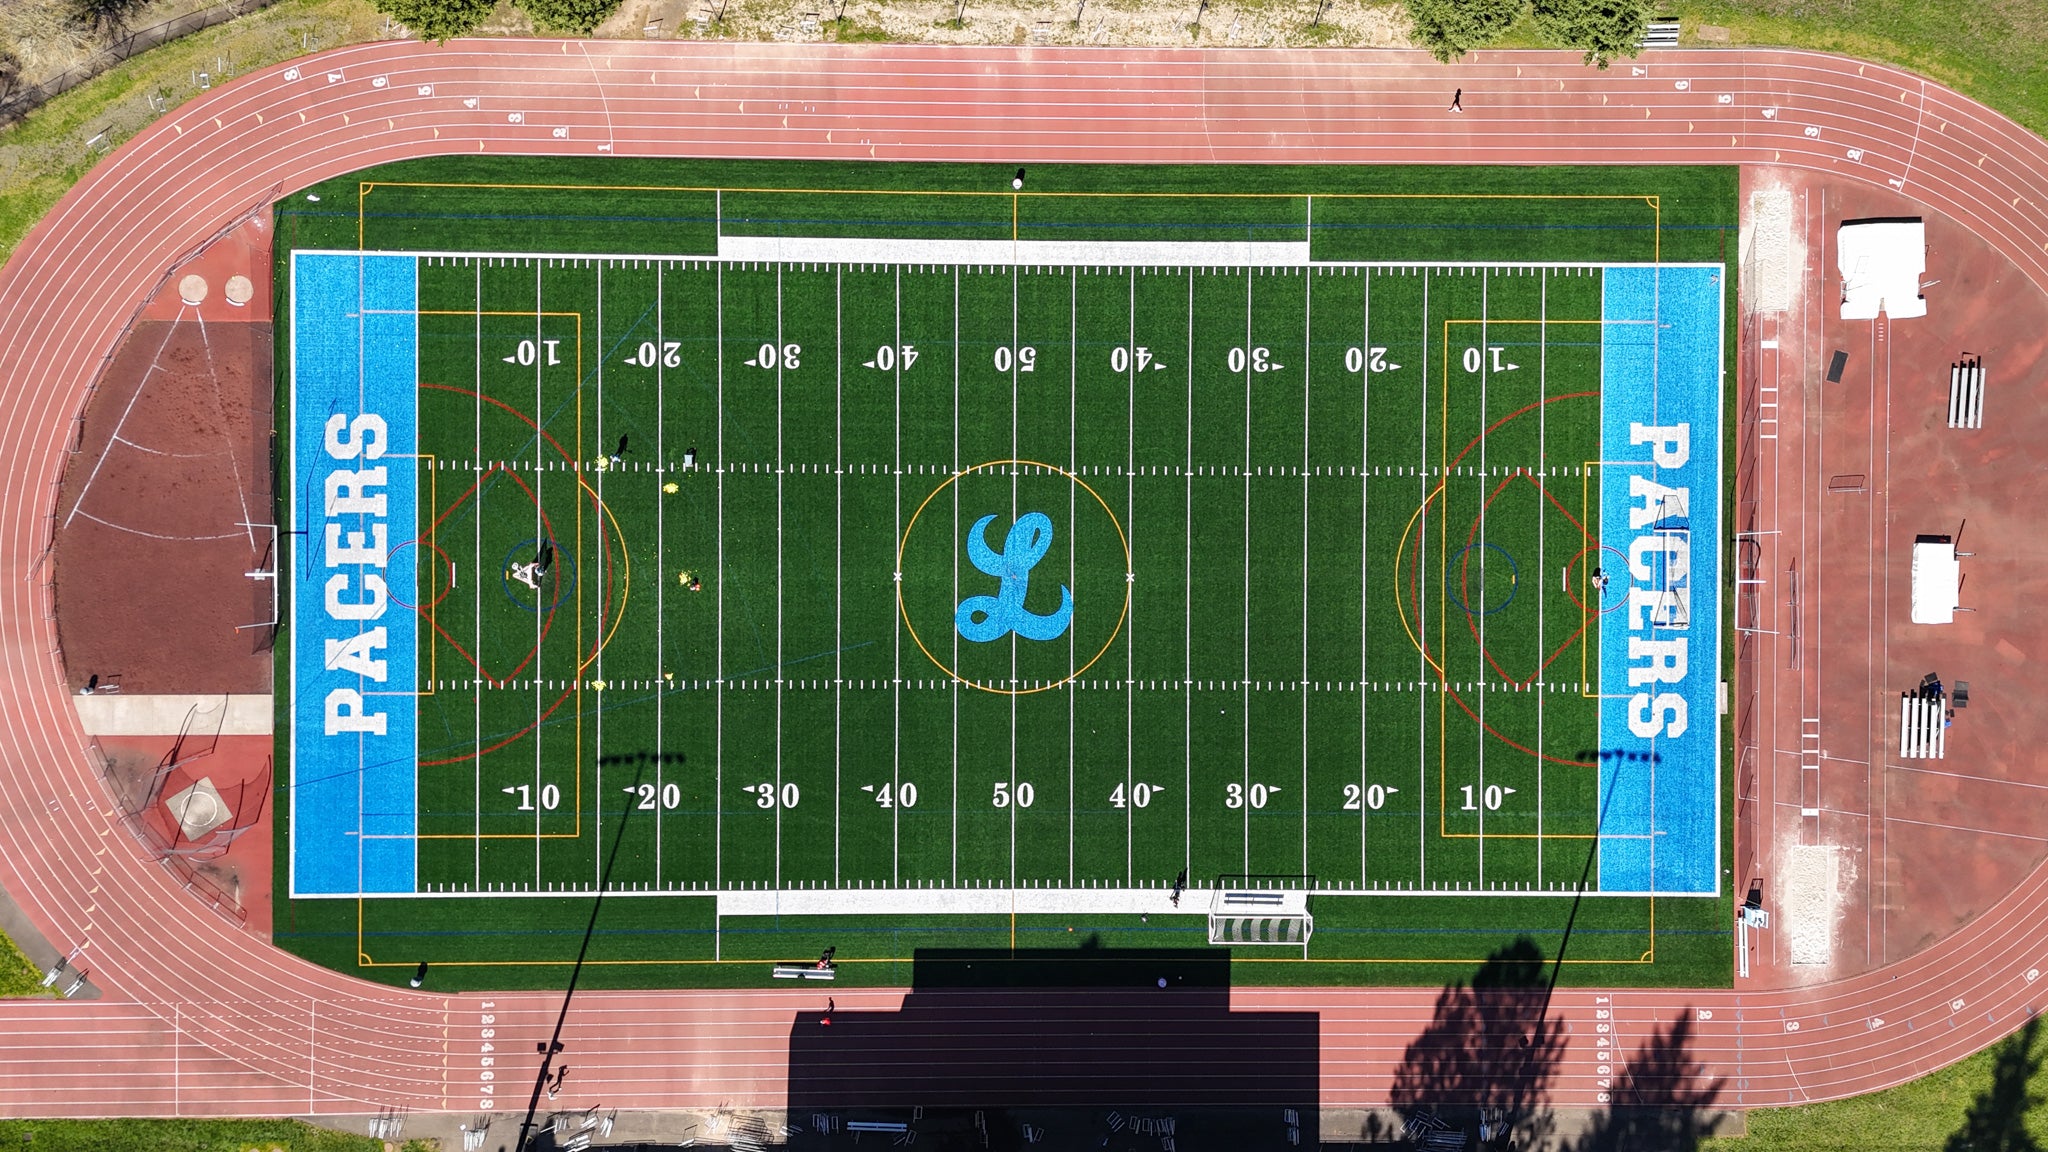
x=203, y=1019
x=547, y=618
x=1465, y=583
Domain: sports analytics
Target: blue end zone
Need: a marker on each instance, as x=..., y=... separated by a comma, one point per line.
x=1660, y=527
x=355, y=336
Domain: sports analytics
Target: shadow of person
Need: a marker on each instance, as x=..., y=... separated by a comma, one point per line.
x=1662, y=1100
x=1486, y=1058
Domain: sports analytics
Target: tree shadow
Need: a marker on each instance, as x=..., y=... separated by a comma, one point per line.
x=1997, y=1119
x=1484, y=1064
x=1089, y=1047
x=1662, y=1101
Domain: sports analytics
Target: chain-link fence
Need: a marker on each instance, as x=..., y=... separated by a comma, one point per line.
x=17, y=101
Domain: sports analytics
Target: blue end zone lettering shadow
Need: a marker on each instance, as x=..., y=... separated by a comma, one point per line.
x=355, y=336
x=1660, y=650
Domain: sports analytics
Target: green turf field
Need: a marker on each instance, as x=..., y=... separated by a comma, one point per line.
x=1309, y=548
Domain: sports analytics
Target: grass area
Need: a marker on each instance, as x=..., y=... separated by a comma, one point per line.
x=1993, y=50
x=1241, y=691
x=18, y=977
x=45, y=154
x=179, y=1136
x=1965, y=1107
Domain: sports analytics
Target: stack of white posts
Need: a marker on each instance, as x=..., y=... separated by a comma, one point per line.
x=1966, y=393
x=1923, y=726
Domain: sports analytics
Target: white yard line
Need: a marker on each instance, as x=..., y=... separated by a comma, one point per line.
x=1131, y=531
x=597, y=741
x=660, y=552
x=1543, y=515
x=839, y=571
x=1014, y=253
x=1245, y=677
x=1308, y=296
x=1364, y=558
x=1479, y=665
x=539, y=442
x=1016, y=366
x=953, y=866
x=476, y=711
x=1422, y=622
x=718, y=735
x=781, y=359
x=1187, y=575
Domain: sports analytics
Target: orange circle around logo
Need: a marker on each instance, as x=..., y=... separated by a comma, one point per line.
x=1122, y=614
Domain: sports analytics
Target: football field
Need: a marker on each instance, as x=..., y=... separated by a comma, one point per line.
x=869, y=578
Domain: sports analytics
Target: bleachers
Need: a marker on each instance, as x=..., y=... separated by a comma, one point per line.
x=1661, y=33
x=1966, y=393
x=1923, y=726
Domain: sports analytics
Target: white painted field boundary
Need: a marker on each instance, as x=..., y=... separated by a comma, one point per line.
x=800, y=250
x=962, y=901
x=1059, y=253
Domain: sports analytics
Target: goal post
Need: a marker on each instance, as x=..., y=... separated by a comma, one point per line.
x=1261, y=909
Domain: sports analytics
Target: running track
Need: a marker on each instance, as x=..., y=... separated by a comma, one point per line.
x=202, y=1018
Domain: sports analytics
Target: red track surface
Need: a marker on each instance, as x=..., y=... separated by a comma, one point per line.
x=202, y=1018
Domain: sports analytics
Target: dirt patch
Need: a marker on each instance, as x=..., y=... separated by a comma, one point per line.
x=151, y=553
x=1920, y=847
x=1121, y=22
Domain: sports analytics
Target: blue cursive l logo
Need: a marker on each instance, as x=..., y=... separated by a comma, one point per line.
x=1004, y=612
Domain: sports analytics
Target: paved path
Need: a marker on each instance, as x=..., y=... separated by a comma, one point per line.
x=201, y=1018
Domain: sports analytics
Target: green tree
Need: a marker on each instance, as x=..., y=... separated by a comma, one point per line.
x=576, y=17
x=1451, y=28
x=1602, y=29
x=105, y=17
x=437, y=20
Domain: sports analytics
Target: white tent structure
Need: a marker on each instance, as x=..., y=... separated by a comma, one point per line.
x=1881, y=263
x=1937, y=580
